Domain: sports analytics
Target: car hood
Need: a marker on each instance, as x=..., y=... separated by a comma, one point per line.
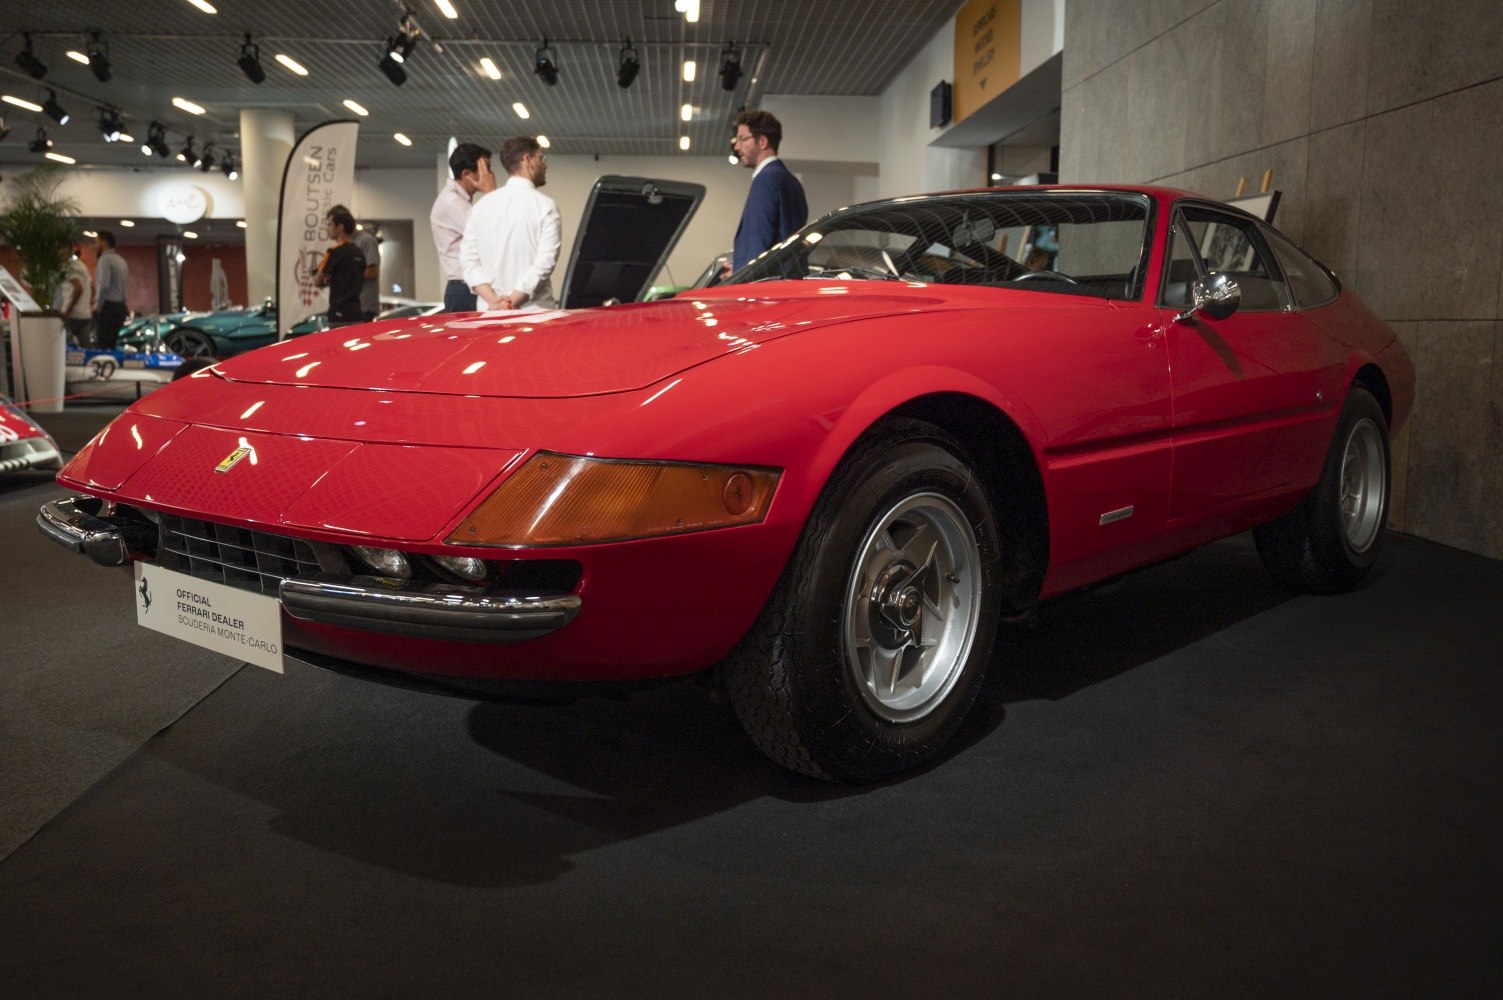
x=562, y=353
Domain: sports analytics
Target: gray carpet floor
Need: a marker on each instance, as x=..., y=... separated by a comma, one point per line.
x=1187, y=784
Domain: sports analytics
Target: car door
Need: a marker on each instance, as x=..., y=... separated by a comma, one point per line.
x=1248, y=397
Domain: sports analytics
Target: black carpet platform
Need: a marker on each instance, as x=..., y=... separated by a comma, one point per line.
x=1187, y=784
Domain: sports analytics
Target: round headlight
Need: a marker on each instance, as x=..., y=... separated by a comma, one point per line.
x=387, y=562
x=473, y=570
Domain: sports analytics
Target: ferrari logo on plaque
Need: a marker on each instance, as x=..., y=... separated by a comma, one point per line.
x=233, y=459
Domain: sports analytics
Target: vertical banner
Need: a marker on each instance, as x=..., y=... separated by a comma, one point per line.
x=320, y=174
x=988, y=52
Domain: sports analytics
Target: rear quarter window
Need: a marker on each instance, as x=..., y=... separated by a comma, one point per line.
x=1309, y=283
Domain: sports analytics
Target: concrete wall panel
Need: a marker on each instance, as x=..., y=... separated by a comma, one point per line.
x=1380, y=120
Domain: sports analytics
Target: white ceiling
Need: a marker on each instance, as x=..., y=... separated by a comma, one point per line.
x=160, y=49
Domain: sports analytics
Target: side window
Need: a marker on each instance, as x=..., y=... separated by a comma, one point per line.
x=1225, y=244
x=1310, y=284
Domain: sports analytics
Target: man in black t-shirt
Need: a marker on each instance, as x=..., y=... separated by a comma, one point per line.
x=342, y=270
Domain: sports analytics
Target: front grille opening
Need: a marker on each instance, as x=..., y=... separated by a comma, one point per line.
x=238, y=557
x=540, y=576
x=259, y=561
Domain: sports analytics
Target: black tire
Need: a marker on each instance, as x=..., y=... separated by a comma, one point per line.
x=1330, y=541
x=806, y=681
x=190, y=343
x=190, y=366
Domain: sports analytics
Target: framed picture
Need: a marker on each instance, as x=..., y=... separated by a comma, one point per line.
x=1261, y=205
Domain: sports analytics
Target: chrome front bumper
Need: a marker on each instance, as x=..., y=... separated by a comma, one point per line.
x=374, y=604
x=106, y=542
x=364, y=603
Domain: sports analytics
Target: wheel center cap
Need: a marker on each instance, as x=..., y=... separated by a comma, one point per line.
x=906, y=606
x=897, y=605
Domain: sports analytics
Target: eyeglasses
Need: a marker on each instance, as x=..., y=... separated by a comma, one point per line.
x=738, y=139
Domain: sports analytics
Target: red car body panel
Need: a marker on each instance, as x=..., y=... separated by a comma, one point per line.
x=1203, y=427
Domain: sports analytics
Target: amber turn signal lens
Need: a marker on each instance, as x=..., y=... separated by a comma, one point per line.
x=566, y=500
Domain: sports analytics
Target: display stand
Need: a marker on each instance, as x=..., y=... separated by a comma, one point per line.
x=38, y=349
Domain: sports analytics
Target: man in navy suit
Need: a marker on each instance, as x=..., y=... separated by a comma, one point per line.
x=775, y=206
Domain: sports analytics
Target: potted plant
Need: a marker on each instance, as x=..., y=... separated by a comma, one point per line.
x=41, y=226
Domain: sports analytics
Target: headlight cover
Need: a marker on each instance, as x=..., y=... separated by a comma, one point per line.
x=570, y=500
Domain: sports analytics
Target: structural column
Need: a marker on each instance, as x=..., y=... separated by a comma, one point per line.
x=266, y=140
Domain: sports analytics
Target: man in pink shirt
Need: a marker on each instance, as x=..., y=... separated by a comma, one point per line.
x=471, y=167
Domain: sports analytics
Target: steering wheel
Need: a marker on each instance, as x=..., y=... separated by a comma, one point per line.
x=1046, y=275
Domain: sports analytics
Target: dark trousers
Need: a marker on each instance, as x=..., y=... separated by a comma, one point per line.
x=107, y=323
x=81, y=331
x=458, y=298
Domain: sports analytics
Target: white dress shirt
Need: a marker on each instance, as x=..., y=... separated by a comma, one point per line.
x=511, y=243
x=450, y=212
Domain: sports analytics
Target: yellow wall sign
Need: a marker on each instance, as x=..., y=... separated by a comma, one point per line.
x=988, y=46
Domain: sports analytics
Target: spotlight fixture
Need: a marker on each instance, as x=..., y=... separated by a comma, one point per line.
x=206, y=161
x=730, y=67
x=250, y=61
x=630, y=66
x=28, y=61
x=55, y=110
x=110, y=125
x=545, y=66
x=227, y=166
x=4, y=130
x=188, y=154
x=99, y=58
x=156, y=140
x=399, y=49
x=41, y=143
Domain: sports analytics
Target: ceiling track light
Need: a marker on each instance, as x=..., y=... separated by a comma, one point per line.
x=546, y=66
x=630, y=65
x=4, y=130
x=399, y=49
x=110, y=124
x=55, y=110
x=391, y=63
x=99, y=58
x=41, y=143
x=27, y=60
x=188, y=154
x=250, y=61
x=156, y=140
x=730, y=67
x=227, y=166
x=206, y=161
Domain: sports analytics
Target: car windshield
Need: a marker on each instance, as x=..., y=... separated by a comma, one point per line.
x=1077, y=243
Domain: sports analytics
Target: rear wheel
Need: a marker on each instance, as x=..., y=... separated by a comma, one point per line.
x=1329, y=542
x=874, y=644
x=190, y=343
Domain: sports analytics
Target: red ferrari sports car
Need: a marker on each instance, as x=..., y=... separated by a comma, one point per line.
x=825, y=481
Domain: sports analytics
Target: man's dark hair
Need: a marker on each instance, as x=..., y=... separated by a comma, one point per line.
x=467, y=156
x=108, y=237
x=762, y=123
x=340, y=216
x=514, y=149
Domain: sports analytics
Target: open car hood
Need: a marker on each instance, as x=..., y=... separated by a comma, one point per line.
x=559, y=353
x=630, y=226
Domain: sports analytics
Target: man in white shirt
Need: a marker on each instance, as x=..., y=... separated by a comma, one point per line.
x=471, y=166
x=77, y=297
x=511, y=240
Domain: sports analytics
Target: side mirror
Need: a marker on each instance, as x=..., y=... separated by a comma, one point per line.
x=1215, y=297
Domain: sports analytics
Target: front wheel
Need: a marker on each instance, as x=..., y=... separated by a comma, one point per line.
x=874, y=644
x=189, y=343
x=1329, y=542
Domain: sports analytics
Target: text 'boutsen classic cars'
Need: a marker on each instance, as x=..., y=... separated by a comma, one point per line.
x=825, y=482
